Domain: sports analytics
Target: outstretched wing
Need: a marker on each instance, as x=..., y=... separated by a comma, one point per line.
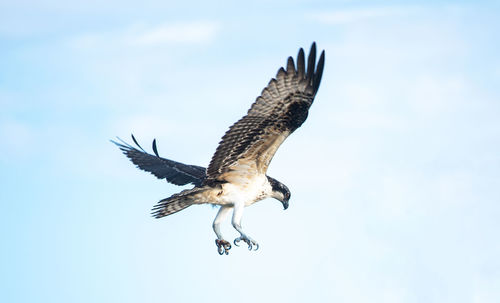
x=249, y=145
x=174, y=172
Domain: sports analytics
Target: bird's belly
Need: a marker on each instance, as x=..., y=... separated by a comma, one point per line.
x=247, y=193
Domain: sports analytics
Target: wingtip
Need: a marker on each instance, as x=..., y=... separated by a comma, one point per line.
x=301, y=64
x=319, y=71
x=311, y=62
x=137, y=143
x=133, y=138
x=290, y=66
x=321, y=62
x=313, y=47
x=155, y=150
x=121, y=144
x=281, y=72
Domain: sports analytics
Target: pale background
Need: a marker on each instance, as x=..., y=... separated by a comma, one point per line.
x=394, y=177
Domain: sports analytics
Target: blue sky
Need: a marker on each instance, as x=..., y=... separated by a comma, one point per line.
x=394, y=176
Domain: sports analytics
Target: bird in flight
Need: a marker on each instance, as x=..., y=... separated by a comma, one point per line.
x=236, y=176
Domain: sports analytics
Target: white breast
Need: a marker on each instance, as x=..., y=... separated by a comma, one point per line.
x=245, y=190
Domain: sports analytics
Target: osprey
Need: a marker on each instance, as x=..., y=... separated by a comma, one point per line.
x=236, y=176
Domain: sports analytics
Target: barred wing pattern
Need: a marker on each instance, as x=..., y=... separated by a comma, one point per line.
x=249, y=145
x=174, y=172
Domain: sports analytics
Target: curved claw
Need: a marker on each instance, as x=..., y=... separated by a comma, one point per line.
x=223, y=246
x=252, y=245
x=256, y=246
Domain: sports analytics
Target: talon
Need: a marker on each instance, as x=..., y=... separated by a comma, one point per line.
x=252, y=245
x=223, y=246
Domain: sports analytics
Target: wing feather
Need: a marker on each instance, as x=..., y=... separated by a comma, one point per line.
x=174, y=172
x=250, y=144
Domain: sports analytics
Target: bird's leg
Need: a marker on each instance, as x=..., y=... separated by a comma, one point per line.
x=236, y=221
x=223, y=246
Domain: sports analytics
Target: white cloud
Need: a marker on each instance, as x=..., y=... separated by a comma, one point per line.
x=196, y=32
x=147, y=36
x=356, y=15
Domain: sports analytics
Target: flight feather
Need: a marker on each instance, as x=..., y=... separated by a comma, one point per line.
x=250, y=144
x=174, y=172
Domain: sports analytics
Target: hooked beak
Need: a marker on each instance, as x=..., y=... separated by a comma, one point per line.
x=285, y=204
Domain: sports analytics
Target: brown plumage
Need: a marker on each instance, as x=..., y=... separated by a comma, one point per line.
x=236, y=177
x=250, y=144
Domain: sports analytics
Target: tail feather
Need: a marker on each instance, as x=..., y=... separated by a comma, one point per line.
x=175, y=203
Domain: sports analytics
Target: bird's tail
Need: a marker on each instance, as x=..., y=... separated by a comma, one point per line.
x=177, y=202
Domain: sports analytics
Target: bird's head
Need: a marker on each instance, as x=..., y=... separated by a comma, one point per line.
x=280, y=191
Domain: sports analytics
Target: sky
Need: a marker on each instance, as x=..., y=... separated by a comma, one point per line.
x=394, y=176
